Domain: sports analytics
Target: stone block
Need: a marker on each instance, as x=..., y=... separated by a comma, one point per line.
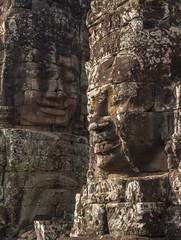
x=22, y=3
x=137, y=189
x=108, y=237
x=173, y=222
x=144, y=219
x=175, y=189
x=17, y=179
x=131, y=189
x=51, y=230
x=165, y=97
x=103, y=192
x=64, y=211
x=90, y=221
x=29, y=235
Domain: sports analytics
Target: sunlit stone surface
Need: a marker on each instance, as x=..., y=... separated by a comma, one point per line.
x=134, y=121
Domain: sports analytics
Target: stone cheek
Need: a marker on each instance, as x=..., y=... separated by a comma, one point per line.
x=41, y=174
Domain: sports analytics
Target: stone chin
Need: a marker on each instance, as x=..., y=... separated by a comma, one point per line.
x=113, y=162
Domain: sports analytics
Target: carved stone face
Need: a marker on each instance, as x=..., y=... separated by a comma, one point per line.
x=127, y=119
x=40, y=83
x=131, y=92
x=40, y=59
x=52, y=101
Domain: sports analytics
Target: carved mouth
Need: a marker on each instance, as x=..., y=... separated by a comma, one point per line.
x=106, y=136
x=105, y=147
x=53, y=111
x=51, y=104
x=52, y=108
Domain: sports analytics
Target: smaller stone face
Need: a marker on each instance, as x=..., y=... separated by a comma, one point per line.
x=41, y=54
x=41, y=64
x=54, y=100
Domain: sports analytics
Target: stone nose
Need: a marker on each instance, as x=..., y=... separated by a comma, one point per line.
x=56, y=96
x=58, y=93
x=61, y=95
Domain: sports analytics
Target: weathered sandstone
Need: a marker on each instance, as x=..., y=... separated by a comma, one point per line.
x=43, y=135
x=134, y=88
x=133, y=189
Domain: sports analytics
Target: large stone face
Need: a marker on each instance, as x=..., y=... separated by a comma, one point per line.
x=134, y=122
x=132, y=88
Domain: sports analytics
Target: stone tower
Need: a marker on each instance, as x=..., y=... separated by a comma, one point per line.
x=43, y=136
x=134, y=178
